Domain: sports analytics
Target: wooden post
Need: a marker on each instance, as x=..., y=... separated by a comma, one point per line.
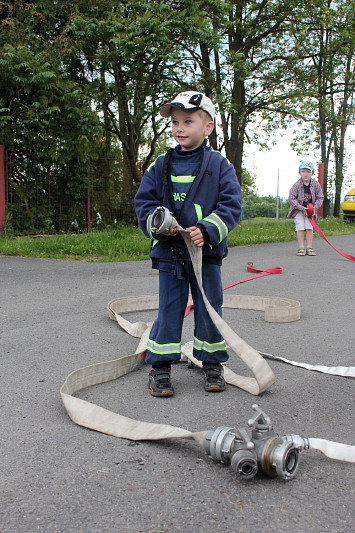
x=2, y=188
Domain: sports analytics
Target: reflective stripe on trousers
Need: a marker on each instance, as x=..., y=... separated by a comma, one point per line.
x=164, y=342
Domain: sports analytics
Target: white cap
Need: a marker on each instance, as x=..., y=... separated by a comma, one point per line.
x=189, y=101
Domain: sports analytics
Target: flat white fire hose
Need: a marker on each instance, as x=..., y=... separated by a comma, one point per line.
x=97, y=418
x=345, y=371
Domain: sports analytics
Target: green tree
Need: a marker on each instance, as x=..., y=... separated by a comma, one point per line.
x=43, y=111
x=73, y=69
x=323, y=69
x=343, y=114
x=243, y=66
x=132, y=61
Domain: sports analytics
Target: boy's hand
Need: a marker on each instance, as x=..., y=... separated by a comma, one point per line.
x=172, y=232
x=196, y=236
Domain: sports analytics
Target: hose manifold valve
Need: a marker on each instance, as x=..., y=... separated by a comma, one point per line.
x=263, y=451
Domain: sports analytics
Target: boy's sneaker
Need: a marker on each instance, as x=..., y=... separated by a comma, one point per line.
x=214, y=377
x=160, y=381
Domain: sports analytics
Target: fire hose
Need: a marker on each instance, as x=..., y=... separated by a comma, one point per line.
x=310, y=213
x=264, y=451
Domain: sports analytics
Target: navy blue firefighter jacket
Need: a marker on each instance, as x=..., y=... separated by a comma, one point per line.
x=213, y=202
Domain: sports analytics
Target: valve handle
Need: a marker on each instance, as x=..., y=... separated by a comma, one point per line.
x=260, y=420
x=244, y=437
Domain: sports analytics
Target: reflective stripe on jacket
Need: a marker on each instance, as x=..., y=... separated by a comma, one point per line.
x=214, y=201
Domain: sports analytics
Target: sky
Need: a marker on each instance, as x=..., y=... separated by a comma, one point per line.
x=284, y=162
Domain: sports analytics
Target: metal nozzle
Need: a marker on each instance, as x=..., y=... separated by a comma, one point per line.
x=231, y=446
x=162, y=220
x=244, y=463
x=286, y=459
x=218, y=443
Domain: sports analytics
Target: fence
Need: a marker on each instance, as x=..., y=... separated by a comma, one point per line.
x=40, y=198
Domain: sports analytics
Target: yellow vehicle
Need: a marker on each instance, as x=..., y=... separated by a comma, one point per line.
x=348, y=206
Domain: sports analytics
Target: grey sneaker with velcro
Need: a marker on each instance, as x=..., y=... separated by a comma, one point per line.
x=160, y=381
x=214, y=377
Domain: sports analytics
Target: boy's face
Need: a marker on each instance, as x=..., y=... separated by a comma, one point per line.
x=190, y=129
x=306, y=175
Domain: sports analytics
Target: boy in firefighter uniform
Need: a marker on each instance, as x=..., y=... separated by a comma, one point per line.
x=200, y=188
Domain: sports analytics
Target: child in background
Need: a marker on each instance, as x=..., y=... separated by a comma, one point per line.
x=200, y=188
x=305, y=191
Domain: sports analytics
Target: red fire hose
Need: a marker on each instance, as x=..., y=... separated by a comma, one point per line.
x=310, y=211
x=260, y=274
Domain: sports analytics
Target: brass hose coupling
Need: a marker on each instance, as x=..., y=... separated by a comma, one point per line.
x=264, y=451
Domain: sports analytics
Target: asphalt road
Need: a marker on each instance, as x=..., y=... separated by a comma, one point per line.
x=59, y=477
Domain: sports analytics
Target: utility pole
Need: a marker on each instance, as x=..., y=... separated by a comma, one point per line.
x=277, y=194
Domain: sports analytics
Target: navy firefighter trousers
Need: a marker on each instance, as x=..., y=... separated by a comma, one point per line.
x=164, y=344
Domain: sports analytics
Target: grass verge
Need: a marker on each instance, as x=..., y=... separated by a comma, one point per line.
x=129, y=244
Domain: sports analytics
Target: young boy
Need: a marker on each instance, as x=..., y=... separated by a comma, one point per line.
x=200, y=188
x=305, y=191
